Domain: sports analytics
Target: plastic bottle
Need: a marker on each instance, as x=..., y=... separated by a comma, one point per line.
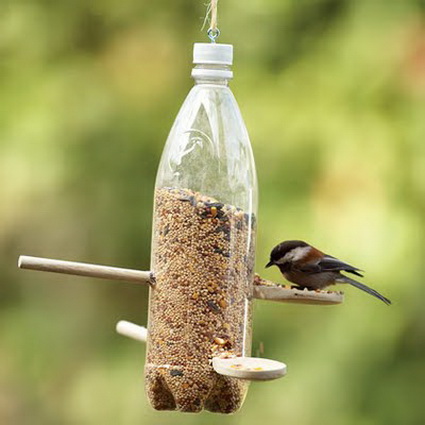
x=203, y=246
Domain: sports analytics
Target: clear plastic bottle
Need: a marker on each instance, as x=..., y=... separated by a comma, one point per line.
x=203, y=246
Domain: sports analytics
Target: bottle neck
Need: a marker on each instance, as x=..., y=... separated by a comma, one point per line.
x=212, y=74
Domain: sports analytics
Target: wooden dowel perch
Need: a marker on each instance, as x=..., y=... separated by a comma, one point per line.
x=131, y=330
x=84, y=269
x=263, y=289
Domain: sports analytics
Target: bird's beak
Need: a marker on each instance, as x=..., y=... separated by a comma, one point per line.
x=269, y=264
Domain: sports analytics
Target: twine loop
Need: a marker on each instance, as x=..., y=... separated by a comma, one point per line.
x=213, y=32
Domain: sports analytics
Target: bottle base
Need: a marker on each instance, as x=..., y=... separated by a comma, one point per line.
x=171, y=391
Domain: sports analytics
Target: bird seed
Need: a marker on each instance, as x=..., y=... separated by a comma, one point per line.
x=203, y=259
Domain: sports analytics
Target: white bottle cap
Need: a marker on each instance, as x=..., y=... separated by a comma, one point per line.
x=212, y=54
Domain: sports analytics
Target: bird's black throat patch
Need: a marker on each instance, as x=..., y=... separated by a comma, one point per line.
x=285, y=267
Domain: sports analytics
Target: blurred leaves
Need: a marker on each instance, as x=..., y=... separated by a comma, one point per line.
x=333, y=94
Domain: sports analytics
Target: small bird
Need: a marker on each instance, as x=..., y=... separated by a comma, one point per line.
x=307, y=267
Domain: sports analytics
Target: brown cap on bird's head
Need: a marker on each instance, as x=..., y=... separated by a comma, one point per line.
x=282, y=249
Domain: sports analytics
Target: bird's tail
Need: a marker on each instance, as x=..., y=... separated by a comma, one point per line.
x=345, y=279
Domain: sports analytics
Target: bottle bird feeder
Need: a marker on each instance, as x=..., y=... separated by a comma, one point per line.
x=202, y=282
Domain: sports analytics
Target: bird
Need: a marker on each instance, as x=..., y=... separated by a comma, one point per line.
x=307, y=267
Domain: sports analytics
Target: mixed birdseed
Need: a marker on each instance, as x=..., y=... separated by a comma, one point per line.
x=200, y=307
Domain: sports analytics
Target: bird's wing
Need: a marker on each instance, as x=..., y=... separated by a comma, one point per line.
x=329, y=264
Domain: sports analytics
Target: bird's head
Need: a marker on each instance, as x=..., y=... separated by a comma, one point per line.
x=287, y=252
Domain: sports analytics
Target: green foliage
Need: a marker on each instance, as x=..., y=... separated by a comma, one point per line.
x=333, y=94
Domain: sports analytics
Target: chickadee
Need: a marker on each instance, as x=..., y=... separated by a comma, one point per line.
x=307, y=267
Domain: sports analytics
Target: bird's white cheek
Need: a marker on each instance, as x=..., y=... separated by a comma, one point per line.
x=295, y=254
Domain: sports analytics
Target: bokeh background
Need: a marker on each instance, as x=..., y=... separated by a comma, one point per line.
x=333, y=94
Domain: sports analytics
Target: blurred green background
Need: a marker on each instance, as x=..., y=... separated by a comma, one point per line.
x=333, y=94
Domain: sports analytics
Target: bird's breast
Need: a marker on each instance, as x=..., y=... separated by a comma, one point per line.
x=311, y=281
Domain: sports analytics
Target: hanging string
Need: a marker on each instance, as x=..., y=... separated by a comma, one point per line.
x=213, y=32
